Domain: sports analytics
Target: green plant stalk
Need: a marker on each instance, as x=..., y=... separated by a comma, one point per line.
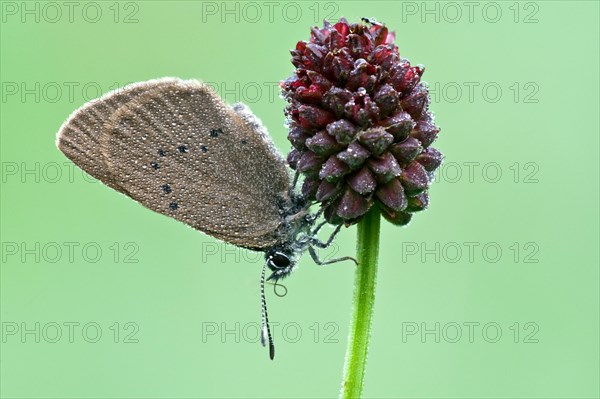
x=362, y=311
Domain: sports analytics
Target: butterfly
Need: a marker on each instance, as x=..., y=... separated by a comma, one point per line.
x=176, y=148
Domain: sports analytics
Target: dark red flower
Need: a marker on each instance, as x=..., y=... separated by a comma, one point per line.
x=359, y=122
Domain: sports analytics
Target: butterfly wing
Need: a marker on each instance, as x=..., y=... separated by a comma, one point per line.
x=176, y=148
x=79, y=137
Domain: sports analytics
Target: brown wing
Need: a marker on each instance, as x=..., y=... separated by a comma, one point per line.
x=176, y=148
x=79, y=137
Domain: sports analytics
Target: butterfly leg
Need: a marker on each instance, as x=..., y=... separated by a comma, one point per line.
x=315, y=257
x=319, y=244
x=318, y=228
x=316, y=243
x=295, y=181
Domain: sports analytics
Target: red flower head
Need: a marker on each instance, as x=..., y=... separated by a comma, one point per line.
x=359, y=124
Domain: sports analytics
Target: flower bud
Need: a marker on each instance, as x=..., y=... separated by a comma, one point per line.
x=354, y=156
x=330, y=212
x=397, y=73
x=426, y=132
x=352, y=205
x=414, y=178
x=418, y=202
x=376, y=140
x=431, y=159
x=319, y=81
x=392, y=195
x=333, y=169
x=322, y=144
x=362, y=181
x=311, y=94
x=327, y=190
x=293, y=157
x=297, y=136
x=343, y=131
x=309, y=162
x=336, y=99
x=416, y=101
x=309, y=187
x=385, y=167
x=311, y=117
x=341, y=65
x=407, y=150
x=386, y=99
x=399, y=218
x=399, y=125
x=411, y=78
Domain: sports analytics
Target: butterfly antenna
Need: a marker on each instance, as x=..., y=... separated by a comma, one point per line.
x=278, y=284
x=266, y=330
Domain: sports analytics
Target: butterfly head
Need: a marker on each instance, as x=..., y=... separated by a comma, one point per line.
x=281, y=263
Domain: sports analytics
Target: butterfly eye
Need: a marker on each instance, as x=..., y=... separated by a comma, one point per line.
x=279, y=260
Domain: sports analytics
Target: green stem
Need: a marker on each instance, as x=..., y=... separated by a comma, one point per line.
x=362, y=312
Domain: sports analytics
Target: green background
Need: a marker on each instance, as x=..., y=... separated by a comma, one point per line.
x=547, y=282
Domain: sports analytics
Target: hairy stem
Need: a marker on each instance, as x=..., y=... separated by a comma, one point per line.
x=362, y=311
